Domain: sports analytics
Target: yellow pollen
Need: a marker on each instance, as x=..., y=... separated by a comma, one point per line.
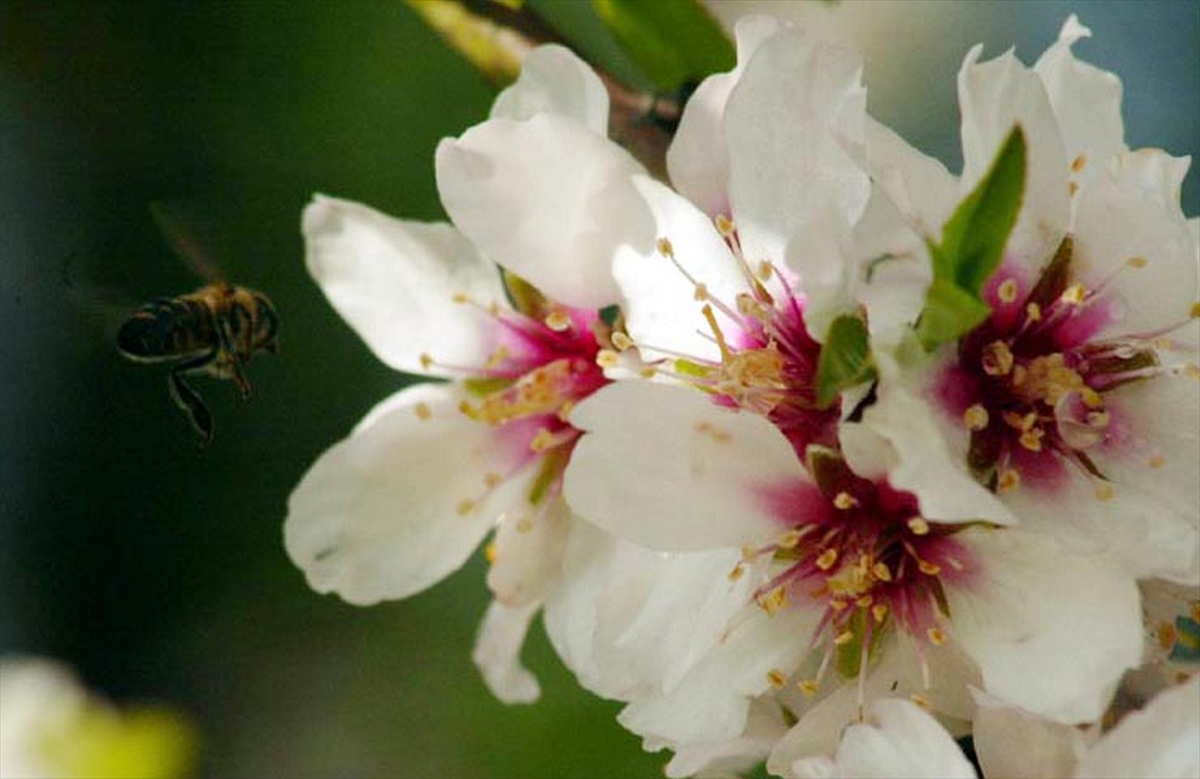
x=1033, y=312
x=774, y=600
x=843, y=638
x=809, y=687
x=1157, y=461
x=928, y=568
x=936, y=635
x=460, y=297
x=1104, y=491
x=1078, y=163
x=790, y=539
x=864, y=602
x=422, y=411
x=881, y=572
x=701, y=293
x=1073, y=187
x=976, y=417
x=1020, y=375
x=1049, y=379
x=465, y=507
x=489, y=552
x=1137, y=262
x=1008, y=480
x=724, y=226
x=557, y=321
x=607, y=358
x=621, y=341
x=492, y=479
x=838, y=605
x=844, y=501
x=776, y=678
x=1032, y=439
x=1166, y=635
x=665, y=248
x=1074, y=294
x=918, y=525
x=738, y=572
x=1091, y=398
x=997, y=359
x=467, y=409
x=827, y=559
x=765, y=270
x=879, y=612
x=1007, y=291
x=426, y=360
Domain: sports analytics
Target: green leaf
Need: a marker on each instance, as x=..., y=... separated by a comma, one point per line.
x=845, y=359
x=674, y=42
x=972, y=246
x=949, y=312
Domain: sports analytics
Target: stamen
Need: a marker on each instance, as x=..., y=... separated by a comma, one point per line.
x=843, y=638
x=465, y=507
x=1078, y=163
x=976, y=417
x=1007, y=291
x=490, y=552
x=918, y=526
x=558, y=321
x=845, y=501
x=827, y=559
x=776, y=678
x=422, y=411
x=621, y=341
x=1104, y=491
x=936, y=636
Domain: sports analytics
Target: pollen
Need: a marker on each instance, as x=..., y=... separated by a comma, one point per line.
x=426, y=360
x=881, y=572
x=1166, y=635
x=460, y=297
x=1032, y=439
x=738, y=572
x=422, y=411
x=1007, y=291
x=921, y=701
x=1074, y=294
x=936, y=635
x=776, y=678
x=827, y=559
x=809, y=687
x=790, y=539
x=542, y=441
x=725, y=226
x=1078, y=163
x=765, y=271
x=1194, y=313
x=997, y=359
x=1033, y=312
x=1104, y=491
x=465, y=507
x=621, y=341
x=1073, y=187
x=774, y=600
x=489, y=552
x=1138, y=262
x=845, y=501
x=843, y=638
x=879, y=611
x=976, y=417
x=1008, y=480
x=665, y=248
x=607, y=358
x=928, y=568
x=558, y=321
x=492, y=479
x=918, y=526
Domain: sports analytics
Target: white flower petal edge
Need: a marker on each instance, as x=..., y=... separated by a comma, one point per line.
x=1061, y=657
x=898, y=739
x=698, y=158
x=527, y=550
x=548, y=199
x=394, y=281
x=1161, y=740
x=498, y=653
x=664, y=467
x=1013, y=742
x=378, y=515
x=554, y=80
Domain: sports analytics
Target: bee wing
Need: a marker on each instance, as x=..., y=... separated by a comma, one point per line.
x=105, y=308
x=171, y=225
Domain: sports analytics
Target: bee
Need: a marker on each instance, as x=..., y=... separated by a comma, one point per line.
x=215, y=330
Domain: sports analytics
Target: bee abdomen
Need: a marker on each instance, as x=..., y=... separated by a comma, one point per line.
x=166, y=328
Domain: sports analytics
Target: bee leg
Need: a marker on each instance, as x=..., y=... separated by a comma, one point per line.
x=192, y=404
x=240, y=379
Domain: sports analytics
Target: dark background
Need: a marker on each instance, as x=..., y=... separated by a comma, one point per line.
x=156, y=569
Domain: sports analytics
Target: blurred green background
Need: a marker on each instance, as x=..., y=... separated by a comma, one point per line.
x=156, y=569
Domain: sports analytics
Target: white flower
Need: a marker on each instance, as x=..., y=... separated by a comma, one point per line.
x=1076, y=402
x=411, y=493
x=781, y=578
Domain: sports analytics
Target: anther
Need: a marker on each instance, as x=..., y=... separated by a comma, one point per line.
x=426, y=360
x=845, y=501
x=918, y=525
x=997, y=359
x=460, y=297
x=738, y=572
x=776, y=678
x=1033, y=312
x=490, y=552
x=665, y=248
x=928, y=568
x=1074, y=294
x=976, y=417
x=843, y=638
x=1007, y=291
x=607, y=358
x=1157, y=461
x=1008, y=480
x=465, y=507
x=809, y=687
x=881, y=572
x=1137, y=262
x=1104, y=491
x=557, y=321
x=921, y=701
x=936, y=635
x=879, y=611
x=422, y=411
x=1078, y=163
x=621, y=341
x=724, y=226
x=827, y=559
x=1032, y=439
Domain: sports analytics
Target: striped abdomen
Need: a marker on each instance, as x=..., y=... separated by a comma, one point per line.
x=168, y=328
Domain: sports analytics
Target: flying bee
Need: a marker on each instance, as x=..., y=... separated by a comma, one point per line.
x=215, y=330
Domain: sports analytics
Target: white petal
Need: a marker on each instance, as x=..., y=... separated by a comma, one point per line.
x=698, y=158
x=628, y=620
x=394, y=281
x=993, y=96
x=665, y=467
x=376, y=517
x=737, y=756
x=1051, y=632
x=921, y=188
x=528, y=548
x=928, y=463
x=798, y=103
x=1133, y=212
x=548, y=199
x=660, y=308
x=1162, y=740
x=498, y=653
x=1086, y=100
x=899, y=739
x=1011, y=742
x=554, y=80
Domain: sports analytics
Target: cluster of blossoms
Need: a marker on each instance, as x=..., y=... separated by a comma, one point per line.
x=835, y=575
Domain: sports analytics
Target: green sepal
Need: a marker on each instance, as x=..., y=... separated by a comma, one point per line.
x=673, y=42
x=845, y=359
x=688, y=368
x=849, y=655
x=972, y=245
